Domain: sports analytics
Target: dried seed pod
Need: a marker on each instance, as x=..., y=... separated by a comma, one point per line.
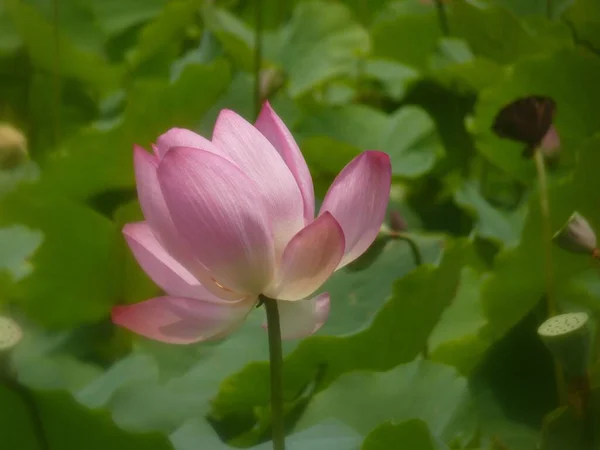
x=569, y=338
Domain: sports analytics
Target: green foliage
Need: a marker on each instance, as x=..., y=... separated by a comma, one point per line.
x=436, y=356
x=412, y=433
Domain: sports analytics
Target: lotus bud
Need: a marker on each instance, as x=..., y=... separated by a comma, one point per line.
x=397, y=222
x=577, y=236
x=569, y=338
x=271, y=79
x=13, y=146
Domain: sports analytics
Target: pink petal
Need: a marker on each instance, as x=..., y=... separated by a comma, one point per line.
x=180, y=137
x=220, y=214
x=243, y=144
x=165, y=271
x=273, y=128
x=358, y=199
x=153, y=204
x=309, y=259
x=179, y=320
x=159, y=219
x=304, y=317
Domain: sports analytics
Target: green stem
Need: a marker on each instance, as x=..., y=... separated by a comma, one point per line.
x=549, y=10
x=258, y=25
x=56, y=72
x=414, y=248
x=546, y=230
x=276, y=367
x=442, y=17
x=540, y=166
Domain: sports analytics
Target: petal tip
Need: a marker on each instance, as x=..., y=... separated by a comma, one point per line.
x=142, y=156
x=378, y=157
x=266, y=110
x=117, y=314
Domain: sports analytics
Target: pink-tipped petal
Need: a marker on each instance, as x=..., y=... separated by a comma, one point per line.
x=159, y=219
x=165, y=271
x=220, y=214
x=309, y=259
x=273, y=128
x=358, y=199
x=243, y=144
x=179, y=320
x=302, y=318
x=180, y=137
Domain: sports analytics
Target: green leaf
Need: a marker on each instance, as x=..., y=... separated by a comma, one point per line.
x=421, y=389
x=320, y=43
x=40, y=362
x=135, y=368
x=408, y=136
x=9, y=37
x=576, y=116
x=74, y=279
x=363, y=293
x=160, y=390
x=503, y=227
x=396, y=78
x=17, y=245
x=413, y=434
x=496, y=429
x=330, y=435
x=584, y=15
x=392, y=34
x=517, y=282
x=236, y=38
x=97, y=160
x=563, y=429
x=455, y=338
x=399, y=332
x=65, y=424
x=167, y=30
x=136, y=285
x=533, y=7
x=498, y=34
x=412, y=142
x=116, y=16
x=39, y=38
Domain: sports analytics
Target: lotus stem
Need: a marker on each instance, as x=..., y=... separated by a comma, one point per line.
x=276, y=370
x=442, y=17
x=540, y=166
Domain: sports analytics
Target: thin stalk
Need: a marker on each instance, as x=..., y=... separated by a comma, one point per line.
x=547, y=243
x=546, y=231
x=56, y=72
x=442, y=17
x=276, y=368
x=549, y=9
x=258, y=25
x=414, y=247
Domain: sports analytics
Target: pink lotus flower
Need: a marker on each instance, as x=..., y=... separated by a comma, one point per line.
x=233, y=218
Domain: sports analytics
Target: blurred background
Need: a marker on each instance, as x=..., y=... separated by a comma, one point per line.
x=431, y=341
